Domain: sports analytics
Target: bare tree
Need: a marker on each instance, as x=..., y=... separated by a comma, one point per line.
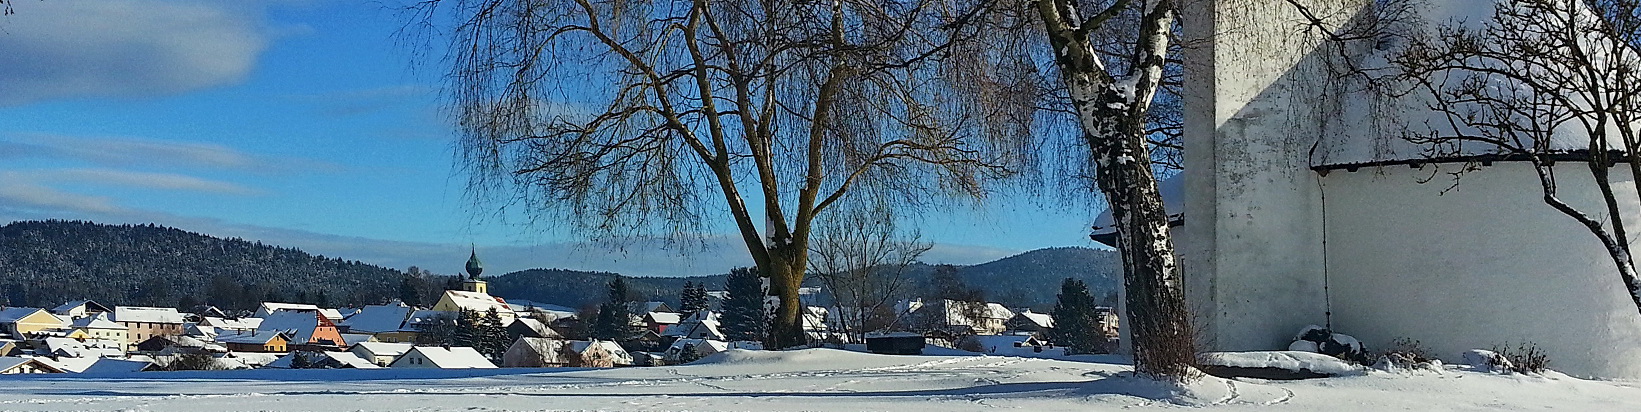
x=1113, y=63
x=637, y=119
x=861, y=255
x=1539, y=81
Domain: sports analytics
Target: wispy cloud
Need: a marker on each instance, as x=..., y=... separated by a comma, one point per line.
x=23, y=198
x=139, y=48
x=126, y=178
x=128, y=152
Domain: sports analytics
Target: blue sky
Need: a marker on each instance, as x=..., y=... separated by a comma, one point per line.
x=303, y=123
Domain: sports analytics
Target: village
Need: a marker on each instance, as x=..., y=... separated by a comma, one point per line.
x=91, y=338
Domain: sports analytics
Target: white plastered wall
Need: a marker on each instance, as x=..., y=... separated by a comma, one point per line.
x=1487, y=263
x=1251, y=245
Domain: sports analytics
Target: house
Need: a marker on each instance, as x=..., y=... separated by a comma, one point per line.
x=957, y=316
x=73, y=348
x=618, y=355
x=143, y=323
x=703, y=325
x=307, y=329
x=231, y=324
x=457, y=357
x=13, y=365
x=10, y=347
x=323, y=360
x=79, y=309
x=532, y=352
x=352, y=338
x=373, y=319
x=548, y=311
x=413, y=325
x=174, y=344
x=687, y=350
x=381, y=353
x=478, y=302
x=658, y=322
x=100, y=326
x=269, y=308
x=20, y=322
x=531, y=328
x=201, y=332
x=1028, y=321
x=255, y=341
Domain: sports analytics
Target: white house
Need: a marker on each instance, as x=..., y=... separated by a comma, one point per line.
x=383, y=353
x=458, y=357
x=1303, y=206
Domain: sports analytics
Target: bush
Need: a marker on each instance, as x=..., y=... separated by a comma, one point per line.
x=1525, y=358
x=186, y=362
x=1405, y=353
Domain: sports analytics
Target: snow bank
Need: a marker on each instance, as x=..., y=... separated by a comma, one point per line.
x=1286, y=360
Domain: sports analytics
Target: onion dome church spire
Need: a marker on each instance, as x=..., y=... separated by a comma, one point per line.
x=474, y=266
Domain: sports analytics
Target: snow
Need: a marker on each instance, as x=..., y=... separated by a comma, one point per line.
x=269, y=308
x=146, y=315
x=1288, y=360
x=815, y=379
x=376, y=319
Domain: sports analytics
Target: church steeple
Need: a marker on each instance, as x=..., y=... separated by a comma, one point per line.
x=474, y=268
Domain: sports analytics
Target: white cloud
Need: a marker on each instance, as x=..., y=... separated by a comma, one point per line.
x=127, y=178
x=126, y=151
x=93, y=48
x=22, y=198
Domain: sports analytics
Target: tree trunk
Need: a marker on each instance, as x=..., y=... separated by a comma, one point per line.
x=785, y=279
x=1112, y=114
x=1619, y=252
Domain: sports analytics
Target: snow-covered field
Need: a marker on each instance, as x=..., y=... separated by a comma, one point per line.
x=813, y=380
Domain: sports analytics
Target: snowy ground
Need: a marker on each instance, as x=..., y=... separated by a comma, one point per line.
x=816, y=379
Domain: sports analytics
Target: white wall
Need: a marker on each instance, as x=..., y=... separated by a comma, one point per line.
x=1254, y=105
x=1487, y=263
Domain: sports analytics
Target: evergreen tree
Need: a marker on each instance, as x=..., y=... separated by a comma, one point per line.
x=688, y=354
x=1076, y=325
x=494, y=338
x=619, y=294
x=300, y=360
x=744, y=315
x=693, y=299
x=612, y=322
x=468, y=331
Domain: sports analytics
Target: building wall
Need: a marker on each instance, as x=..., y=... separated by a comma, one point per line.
x=1254, y=104
x=35, y=322
x=140, y=331
x=1486, y=263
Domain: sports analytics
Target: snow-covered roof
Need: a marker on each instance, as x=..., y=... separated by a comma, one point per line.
x=232, y=323
x=647, y=307
x=268, y=308
x=10, y=315
x=541, y=330
x=110, y=366
x=1042, y=320
x=146, y=314
x=477, y=302
x=547, y=349
x=261, y=337
x=344, y=358
x=72, y=348
x=382, y=348
x=616, y=351
x=98, y=321
x=456, y=357
x=299, y=325
x=703, y=325
x=65, y=308
x=664, y=318
x=377, y=319
x=12, y=362
x=421, y=316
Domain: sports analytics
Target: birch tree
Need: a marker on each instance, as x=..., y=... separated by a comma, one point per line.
x=1112, y=94
x=628, y=120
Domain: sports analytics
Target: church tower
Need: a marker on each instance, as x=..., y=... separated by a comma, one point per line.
x=474, y=268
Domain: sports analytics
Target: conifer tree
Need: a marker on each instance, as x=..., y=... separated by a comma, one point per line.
x=693, y=299
x=1076, y=325
x=744, y=314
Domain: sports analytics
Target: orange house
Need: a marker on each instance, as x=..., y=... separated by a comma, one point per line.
x=308, y=329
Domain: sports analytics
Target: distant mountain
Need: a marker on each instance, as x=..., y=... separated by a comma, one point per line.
x=1029, y=279
x=45, y=263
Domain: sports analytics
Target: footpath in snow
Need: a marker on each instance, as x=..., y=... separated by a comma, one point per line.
x=807, y=380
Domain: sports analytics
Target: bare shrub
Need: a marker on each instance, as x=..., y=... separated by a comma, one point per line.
x=186, y=362
x=1405, y=353
x=1525, y=358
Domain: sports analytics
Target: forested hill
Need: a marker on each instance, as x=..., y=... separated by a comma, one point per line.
x=45, y=263
x=1027, y=279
